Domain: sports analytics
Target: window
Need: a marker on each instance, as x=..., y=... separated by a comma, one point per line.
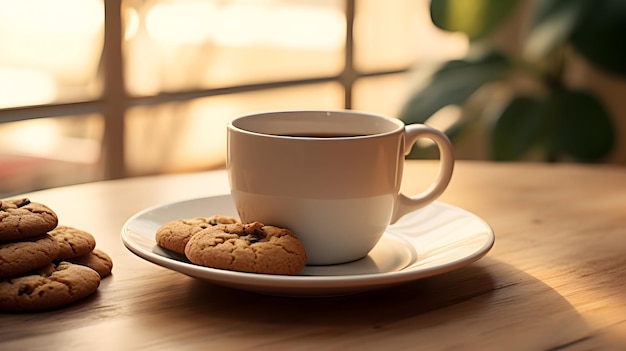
x=93, y=90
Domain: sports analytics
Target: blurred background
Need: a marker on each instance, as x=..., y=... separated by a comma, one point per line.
x=93, y=90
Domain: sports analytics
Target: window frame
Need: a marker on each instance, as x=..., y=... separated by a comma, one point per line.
x=115, y=100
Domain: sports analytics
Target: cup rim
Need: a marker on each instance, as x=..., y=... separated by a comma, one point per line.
x=398, y=124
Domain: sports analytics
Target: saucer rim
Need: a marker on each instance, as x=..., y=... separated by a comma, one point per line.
x=302, y=285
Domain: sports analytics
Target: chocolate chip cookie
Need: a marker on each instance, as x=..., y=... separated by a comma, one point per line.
x=97, y=260
x=175, y=234
x=253, y=247
x=72, y=242
x=24, y=256
x=21, y=219
x=50, y=287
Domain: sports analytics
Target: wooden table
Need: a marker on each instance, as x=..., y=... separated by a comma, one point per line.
x=555, y=279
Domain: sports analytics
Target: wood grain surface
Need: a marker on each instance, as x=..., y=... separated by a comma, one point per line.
x=555, y=279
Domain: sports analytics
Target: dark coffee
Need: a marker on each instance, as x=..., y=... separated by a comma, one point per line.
x=324, y=135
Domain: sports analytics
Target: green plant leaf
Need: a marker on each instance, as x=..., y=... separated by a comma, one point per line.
x=585, y=128
x=476, y=18
x=519, y=127
x=551, y=25
x=600, y=35
x=453, y=83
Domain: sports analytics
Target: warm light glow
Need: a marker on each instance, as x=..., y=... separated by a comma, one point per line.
x=442, y=120
x=131, y=24
x=32, y=137
x=50, y=51
x=238, y=24
x=396, y=34
x=186, y=22
x=25, y=87
x=43, y=138
x=61, y=38
x=311, y=28
x=59, y=17
x=446, y=117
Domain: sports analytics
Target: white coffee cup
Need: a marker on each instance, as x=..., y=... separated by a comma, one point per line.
x=332, y=177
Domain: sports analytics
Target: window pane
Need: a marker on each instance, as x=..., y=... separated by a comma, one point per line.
x=49, y=51
x=382, y=94
x=391, y=35
x=190, y=136
x=50, y=152
x=182, y=45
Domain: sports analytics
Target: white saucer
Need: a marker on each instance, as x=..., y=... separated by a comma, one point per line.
x=433, y=240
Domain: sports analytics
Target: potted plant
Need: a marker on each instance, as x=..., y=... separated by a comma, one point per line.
x=547, y=119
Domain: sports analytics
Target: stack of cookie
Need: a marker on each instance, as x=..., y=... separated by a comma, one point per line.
x=44, y=265
x=224, y=242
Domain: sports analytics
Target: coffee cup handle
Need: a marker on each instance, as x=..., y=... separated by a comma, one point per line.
x=414, y=132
